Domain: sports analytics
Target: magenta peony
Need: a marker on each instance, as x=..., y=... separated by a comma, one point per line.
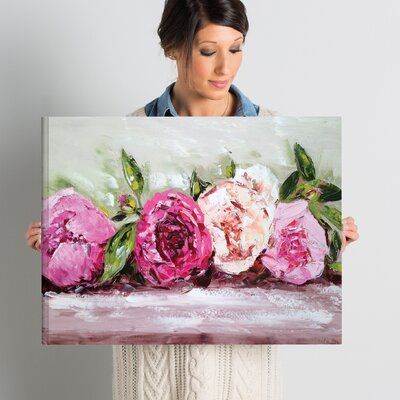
x=75, y=233
x=171, y=239
x=298, y=244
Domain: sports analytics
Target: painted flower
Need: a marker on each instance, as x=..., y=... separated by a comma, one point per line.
x=263, y=181
x=74, y=237
x=122, y=199
x=172, y=241
x=238, y=213
x=127, y=203
x=297, y=246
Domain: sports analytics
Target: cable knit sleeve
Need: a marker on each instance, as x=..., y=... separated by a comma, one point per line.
x=196, y=372
x=266, y=112
x=137, y=113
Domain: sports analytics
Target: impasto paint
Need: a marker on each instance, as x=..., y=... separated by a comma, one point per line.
x=191, y=230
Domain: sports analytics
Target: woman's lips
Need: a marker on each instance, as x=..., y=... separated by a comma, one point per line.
x=219, y=84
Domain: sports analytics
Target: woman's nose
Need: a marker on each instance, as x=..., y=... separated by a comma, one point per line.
x=222, y=66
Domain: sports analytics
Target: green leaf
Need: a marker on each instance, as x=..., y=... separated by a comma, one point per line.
x=117, y=251
x=307, y=190
x=132, y=173
x=336, y=266
x=315, y=209
x=288, y=187
x=304, y=163
x=317, y=190
x=335, y=244
x=329, y=192
x=332, y=217
x=328, y=217
x=230, y=170
x=197, y=185
x=104, y=210
x=129, y=206
x=139, y=278
x=120, y=216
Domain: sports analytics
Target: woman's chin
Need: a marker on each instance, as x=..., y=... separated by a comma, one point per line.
x=215, y=94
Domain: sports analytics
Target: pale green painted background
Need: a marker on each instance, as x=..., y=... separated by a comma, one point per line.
x=85, y=152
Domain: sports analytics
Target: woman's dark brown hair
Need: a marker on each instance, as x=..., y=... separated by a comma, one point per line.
x=181, y=19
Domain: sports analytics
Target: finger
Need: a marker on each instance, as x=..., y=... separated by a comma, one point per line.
x=34, y=232
x=351, y=235
x=35, y=224
x=348, y=220
x=34, y=237
x=350, y=227
x=31, y=242
x=38, y=245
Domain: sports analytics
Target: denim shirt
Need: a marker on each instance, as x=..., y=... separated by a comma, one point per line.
x=163, y=107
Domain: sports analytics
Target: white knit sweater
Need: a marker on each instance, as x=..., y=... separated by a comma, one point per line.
x=197, y=372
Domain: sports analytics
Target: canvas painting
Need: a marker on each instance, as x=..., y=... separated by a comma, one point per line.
x=191, y=230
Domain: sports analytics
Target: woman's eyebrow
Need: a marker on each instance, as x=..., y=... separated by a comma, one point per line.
x=210, y=41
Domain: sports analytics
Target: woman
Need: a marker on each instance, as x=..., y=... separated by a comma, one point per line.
x=206, y=39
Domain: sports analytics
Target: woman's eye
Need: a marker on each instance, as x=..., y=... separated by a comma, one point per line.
x=210, y=53
x=207, y=54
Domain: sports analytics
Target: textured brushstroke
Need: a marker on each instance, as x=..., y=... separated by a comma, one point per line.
x=271, y=312
x=171, y=240
x=74, y=236
x=298, y=244
x=280, y=313
x=238, y=213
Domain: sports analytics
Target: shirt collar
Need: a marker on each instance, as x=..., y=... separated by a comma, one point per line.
x=164, y=106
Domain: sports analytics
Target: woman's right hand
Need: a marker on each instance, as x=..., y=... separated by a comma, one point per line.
x=33, y=235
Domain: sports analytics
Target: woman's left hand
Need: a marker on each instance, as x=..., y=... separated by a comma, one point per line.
x=349, y=232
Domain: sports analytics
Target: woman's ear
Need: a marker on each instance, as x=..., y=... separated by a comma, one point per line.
x=175, y=54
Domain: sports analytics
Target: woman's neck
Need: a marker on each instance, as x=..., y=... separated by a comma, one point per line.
x=188, y=103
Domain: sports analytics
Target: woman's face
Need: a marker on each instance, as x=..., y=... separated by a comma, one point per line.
x=216, y=58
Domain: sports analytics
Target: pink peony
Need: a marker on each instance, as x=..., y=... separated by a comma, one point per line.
x=171, y=239
x=75, y=233
x=297, y=246
x=239, y=219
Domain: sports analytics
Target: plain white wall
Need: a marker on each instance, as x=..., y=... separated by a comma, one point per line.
x=309, y=57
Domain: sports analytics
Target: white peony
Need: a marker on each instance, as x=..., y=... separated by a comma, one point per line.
x=238, y=213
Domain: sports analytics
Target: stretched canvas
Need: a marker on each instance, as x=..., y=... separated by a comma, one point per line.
x=191, y=230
